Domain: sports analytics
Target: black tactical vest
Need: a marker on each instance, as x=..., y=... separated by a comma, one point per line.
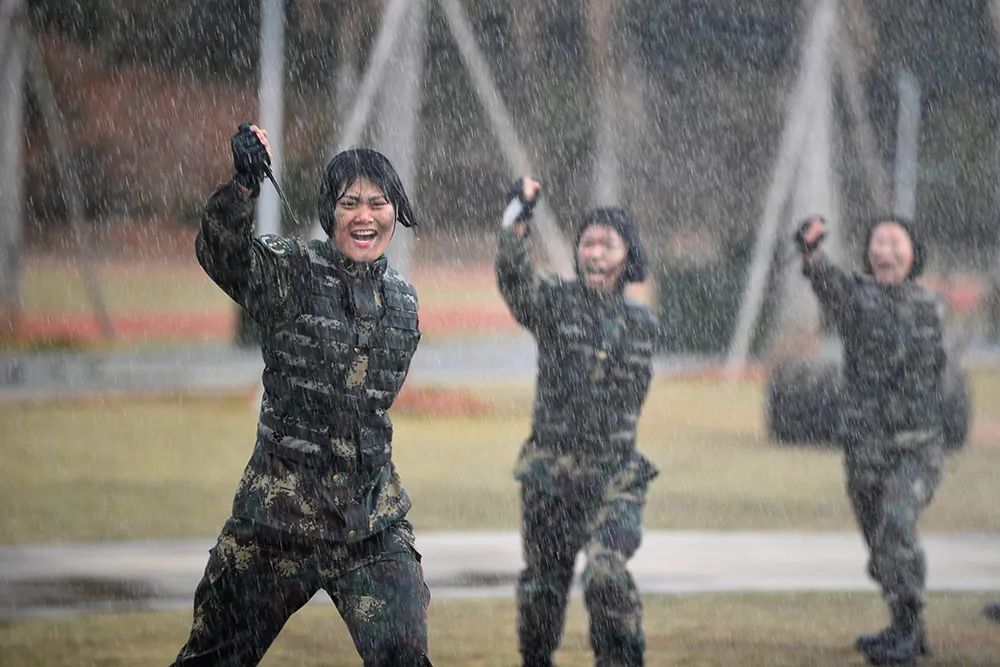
x=594, y=370
x=335, y=365
x=893, y=358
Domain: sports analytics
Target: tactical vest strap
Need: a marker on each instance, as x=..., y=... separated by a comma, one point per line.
x=370, y=448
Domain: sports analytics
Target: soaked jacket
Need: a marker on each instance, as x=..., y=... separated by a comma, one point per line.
x=594, y=370
x=893, y=354
x=337, y=339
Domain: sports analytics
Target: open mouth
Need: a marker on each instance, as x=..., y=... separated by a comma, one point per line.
x=364, y=236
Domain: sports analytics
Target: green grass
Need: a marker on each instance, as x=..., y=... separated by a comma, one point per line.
x=53, y=287
x=719, y=629
x=132, y=469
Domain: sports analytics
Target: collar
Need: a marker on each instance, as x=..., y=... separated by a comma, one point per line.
x=595, y=295
x=353, y=269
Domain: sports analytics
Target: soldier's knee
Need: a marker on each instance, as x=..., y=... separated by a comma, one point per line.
x=606, y=575
x=899, y=532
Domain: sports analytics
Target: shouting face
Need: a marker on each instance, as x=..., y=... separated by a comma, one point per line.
x=890, y=253
x=363, y=221
x=600, y=257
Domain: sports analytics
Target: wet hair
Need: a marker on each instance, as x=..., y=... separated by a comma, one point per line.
x=347, y=167
x=919, y=252
x=619, y=220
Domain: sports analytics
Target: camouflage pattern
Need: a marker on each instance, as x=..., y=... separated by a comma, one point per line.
x=889, y=487
x=893, y=351
x=255, y=579
x=583, y=484
x=594, y=357
x=892, y=424
x=337, y=342
x=580, y=510
x=320, y=504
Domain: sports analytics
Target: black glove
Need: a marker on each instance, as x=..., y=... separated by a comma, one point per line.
x=800, y=236
x=516, y=190
x=250, y=159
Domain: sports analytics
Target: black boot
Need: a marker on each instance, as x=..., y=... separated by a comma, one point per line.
x=902, y=642
x=873, y=642
x=865, y=643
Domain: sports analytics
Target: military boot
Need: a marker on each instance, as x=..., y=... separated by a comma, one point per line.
x=903, y=641
x=992, y=611
x=867, y=643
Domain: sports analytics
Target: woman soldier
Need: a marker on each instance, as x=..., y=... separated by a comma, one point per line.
x=891, y=423
x=583, y=484
x=320, y=504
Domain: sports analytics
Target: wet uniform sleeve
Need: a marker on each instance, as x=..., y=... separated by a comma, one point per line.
x=255, y=273
x=940, y=354
x=527, y=294
x=833, y=287
x=647, y=330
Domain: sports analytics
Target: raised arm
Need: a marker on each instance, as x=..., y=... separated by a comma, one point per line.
x=522, y=288
x=831, y=284
x=253, y=272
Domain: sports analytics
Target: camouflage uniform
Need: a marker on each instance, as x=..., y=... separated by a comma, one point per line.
x=583, y=484
x=320, y=504
x=891, y=422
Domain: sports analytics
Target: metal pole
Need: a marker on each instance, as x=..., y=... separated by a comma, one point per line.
x=370, y=82
x=272, y=107
x=797, y=310
x=12, y=44
x=800, y=114
x=862, y=132
x=606, y=78
x=907, y=140
x=399, y=119
x=72, y=191
x=555, y=244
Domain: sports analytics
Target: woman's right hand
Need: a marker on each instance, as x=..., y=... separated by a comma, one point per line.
x=530, y=189
x=522, y=196
x=811, y=233
x=251, y=156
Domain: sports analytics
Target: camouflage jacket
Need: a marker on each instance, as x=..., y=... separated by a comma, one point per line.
x=893, y=354
x=337, y=339
x=594, y=369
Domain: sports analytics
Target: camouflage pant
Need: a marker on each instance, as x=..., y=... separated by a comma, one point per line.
x=255, y=580
x=889, y=487
x=607, y=527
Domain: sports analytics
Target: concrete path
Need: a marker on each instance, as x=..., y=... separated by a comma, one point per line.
x=456, y=362
x=222, y=368
x=65, y=578
x=440, y=363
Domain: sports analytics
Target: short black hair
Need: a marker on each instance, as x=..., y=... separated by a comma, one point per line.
x=919, y=252
x=347, y=167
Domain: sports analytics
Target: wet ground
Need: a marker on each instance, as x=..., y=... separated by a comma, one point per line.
x=39, y=580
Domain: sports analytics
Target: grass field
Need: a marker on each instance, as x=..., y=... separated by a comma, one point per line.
x=160, y=468
x=122, y=469
x=745, y=629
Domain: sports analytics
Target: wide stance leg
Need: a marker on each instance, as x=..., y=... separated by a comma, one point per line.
x=897, y=557
x=249, y=590
x=384, y=603
x=907, y=480
x=610, y=592
x=552, y=533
